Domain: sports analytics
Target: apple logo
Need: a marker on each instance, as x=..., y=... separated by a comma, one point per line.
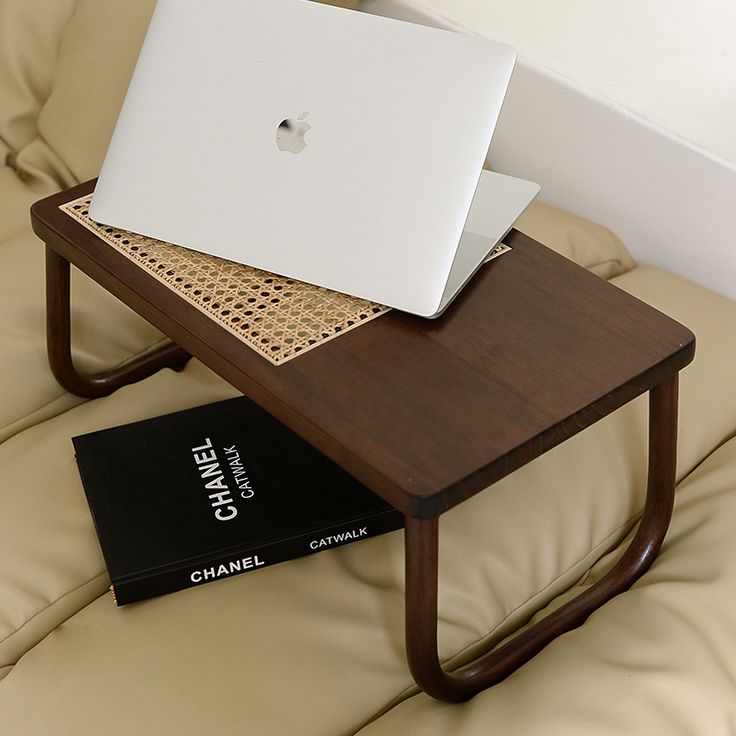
x=290, y=134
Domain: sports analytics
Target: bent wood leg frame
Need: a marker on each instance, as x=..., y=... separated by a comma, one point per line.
x=421, y=537
x=58, y=342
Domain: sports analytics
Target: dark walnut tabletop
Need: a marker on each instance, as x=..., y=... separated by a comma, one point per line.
x=429, y=412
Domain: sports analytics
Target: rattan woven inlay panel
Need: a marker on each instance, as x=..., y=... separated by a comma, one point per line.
x=278, y=317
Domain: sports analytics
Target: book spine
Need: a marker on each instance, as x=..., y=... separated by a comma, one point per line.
x=236, y=562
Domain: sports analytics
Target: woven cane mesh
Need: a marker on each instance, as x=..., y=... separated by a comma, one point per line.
x=279, y=318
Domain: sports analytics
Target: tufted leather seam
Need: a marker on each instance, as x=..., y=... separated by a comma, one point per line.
x=50, y=604
x=62, y=393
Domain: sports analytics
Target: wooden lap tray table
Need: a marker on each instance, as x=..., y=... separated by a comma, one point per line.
x=427, y=412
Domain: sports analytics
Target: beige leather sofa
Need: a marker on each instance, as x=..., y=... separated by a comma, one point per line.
x=315, y=646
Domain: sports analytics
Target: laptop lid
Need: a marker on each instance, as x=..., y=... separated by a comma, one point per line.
x=331, y=146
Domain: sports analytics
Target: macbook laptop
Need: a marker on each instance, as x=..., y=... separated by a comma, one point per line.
x=331, y=146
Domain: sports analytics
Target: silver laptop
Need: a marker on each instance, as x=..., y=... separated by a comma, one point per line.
x=327, y=145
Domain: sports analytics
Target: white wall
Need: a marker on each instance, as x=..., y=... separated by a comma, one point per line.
x=672, y=204
x=673, y=62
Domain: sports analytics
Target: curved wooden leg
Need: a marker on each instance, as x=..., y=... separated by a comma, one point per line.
x=421, y=536
x=58, y=342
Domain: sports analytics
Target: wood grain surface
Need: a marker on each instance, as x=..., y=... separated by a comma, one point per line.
x=428, y=412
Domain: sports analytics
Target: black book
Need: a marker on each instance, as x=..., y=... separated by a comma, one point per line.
x=214, y=491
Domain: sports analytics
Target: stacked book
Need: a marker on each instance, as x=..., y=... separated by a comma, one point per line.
x=215, y=491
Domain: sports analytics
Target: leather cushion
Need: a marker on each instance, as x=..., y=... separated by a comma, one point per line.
x=105, y=333
x=29, y=42
x=658, y=660
x=50, y=562
x=590, y=245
